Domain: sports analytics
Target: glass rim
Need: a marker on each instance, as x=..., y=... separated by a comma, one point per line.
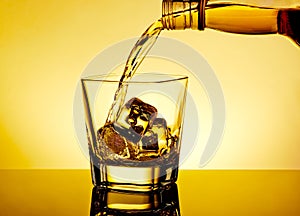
x=115, y=78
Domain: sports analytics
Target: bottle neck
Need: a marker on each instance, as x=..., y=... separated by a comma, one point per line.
x=183, y=14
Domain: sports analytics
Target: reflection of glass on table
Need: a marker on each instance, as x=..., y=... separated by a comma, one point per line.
x=160, y=202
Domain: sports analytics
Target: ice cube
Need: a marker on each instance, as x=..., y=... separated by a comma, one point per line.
x=109, y=139
x=160, y=128
x=134, y=119
x=156, y=137
x=150, y=141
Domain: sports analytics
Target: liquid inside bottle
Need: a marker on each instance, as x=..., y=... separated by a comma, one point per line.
x=232, y=17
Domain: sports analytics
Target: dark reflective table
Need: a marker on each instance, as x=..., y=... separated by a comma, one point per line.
x=207, y=193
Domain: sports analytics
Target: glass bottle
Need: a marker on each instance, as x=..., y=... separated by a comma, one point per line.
x=240, y=16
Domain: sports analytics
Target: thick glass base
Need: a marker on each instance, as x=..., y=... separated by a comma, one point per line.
x=133, y=178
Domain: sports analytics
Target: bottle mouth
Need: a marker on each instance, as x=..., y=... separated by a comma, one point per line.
x=183, y=14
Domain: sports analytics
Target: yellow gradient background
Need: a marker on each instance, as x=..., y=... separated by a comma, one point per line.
x=45, y=45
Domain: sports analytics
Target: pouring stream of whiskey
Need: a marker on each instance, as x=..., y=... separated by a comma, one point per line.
x=135, y=58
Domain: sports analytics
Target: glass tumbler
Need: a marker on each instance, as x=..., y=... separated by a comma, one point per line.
x=134, y=129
